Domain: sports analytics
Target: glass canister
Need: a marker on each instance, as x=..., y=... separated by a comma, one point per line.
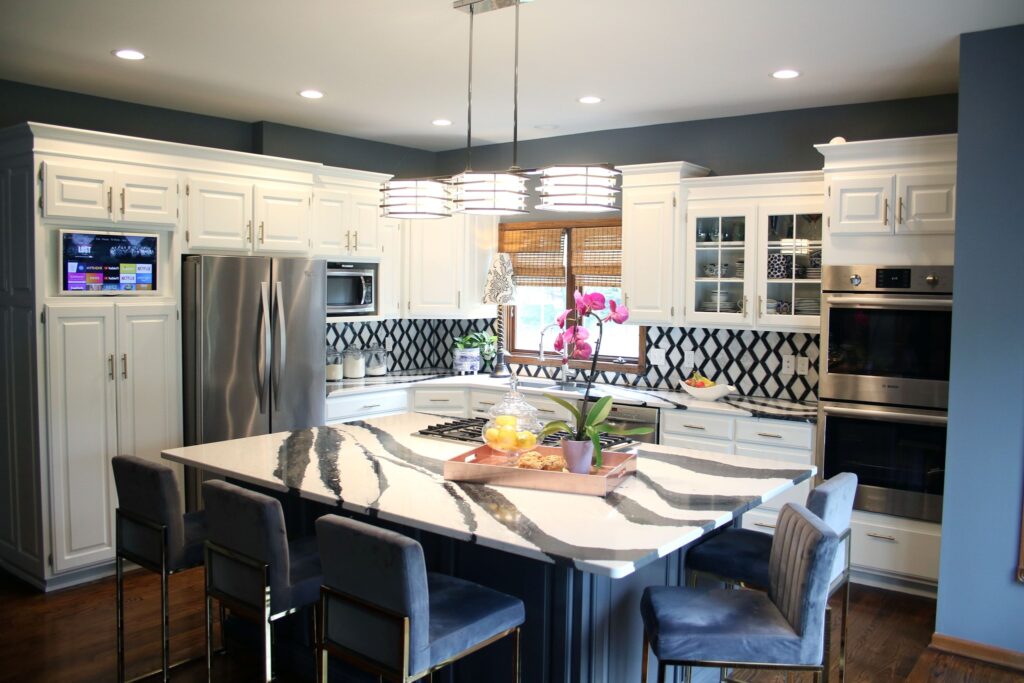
x=354, y=361
x=376, y=361
x=513, y=425
x=334, y=367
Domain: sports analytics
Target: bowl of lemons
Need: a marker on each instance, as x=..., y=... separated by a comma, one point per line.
x=513, y=425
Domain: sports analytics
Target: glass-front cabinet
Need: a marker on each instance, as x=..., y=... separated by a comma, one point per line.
x=720, y=245
x=789, y=266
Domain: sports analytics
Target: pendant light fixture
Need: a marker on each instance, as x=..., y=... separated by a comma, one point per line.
x=486, y=194
x=586, y=188
x=415, y=198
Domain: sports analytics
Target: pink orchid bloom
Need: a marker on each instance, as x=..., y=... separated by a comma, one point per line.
x=616, y=313
x=560, y=320
x=582, y=350
x=588, y=303
x=575, y=333
x=559, y=343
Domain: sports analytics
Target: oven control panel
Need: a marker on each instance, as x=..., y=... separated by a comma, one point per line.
x=892, y=278
x=896, y=279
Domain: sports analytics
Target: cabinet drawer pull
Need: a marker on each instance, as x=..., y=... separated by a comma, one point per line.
x=440, y=400
x=110, y=366
x=881, y=537
x=765, y=525
x=371, y=405
x=545, y=410
x=487, y=403
x=699, y=427
x=769, y=436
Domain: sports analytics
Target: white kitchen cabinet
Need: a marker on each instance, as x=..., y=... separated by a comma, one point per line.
x=112, y=381
x=450, y=402
x=330, y=233
x=148, y=198
x=926, y=203
x=359, y=406
x=649, y=228
x=446, y=266
x=365, y=212
x=78, y=192
x=789, y=266
x=904, y=548
x=697, y=443
x=389, y=273
x=82, y=408
x=721, y=239
x=480, y=245
x=281, y=217
x=860, y=204
x=219, y=215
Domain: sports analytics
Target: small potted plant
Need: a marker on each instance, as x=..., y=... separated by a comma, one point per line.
x=471, y=350
x=584, y=446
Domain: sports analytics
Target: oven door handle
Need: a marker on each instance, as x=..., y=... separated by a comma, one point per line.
x=886, y=416
x=930, y=304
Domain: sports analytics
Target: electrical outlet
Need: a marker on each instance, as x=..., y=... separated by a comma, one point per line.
x=688, y=358
x=788, y=365
x=803, y=364
x=656, y=355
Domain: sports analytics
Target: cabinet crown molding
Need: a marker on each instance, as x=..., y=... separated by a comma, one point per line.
x=662, y=173
x=892, y=152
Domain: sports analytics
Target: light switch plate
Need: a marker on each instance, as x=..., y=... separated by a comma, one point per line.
x=656, y=355
x=803, y=364
x=788, y=365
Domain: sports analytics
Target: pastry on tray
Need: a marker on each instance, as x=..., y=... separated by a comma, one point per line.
x=532, y=460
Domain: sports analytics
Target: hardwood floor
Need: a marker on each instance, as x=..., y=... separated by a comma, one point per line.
x=69, y=636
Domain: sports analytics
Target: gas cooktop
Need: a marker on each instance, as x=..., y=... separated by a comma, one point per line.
x=469, y=430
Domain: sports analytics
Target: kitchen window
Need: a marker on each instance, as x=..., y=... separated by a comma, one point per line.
x=551, y=260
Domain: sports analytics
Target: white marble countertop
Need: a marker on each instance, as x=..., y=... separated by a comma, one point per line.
x=734, y=405
x=379, y=468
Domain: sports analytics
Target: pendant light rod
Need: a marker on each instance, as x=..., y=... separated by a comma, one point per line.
x=469, y=97
x=515, y=100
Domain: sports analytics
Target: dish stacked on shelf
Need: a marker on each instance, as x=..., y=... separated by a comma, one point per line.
x=739, y=268
x=808, y=306
x=777, y=306
x=718, y=302
x=814, y=273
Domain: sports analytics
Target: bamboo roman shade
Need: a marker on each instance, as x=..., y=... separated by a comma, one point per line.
x=597, y=256
x=538, y=256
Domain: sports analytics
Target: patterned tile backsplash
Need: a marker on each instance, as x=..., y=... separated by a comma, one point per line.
x=749, y=360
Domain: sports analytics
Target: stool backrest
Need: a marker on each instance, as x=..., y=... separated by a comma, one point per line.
x=252, y=525
x=386, y=573
x=832, y=500
x=149, y=490
x=799, y=573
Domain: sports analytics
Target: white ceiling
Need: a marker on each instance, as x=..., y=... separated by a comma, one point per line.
x=389, y=67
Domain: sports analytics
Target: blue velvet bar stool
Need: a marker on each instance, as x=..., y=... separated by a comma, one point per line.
x=151, y=531
x=251, y=567
x=385, y=614
x=741, y=555
x=781, y=629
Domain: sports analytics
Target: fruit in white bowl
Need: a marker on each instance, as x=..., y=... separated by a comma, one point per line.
x=704, y=388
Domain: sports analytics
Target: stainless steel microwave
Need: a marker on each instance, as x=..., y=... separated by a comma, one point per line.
x=351, y=288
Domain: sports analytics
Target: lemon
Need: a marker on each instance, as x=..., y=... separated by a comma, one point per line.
x=526, y=440
x=491, y=435
x=505, y=420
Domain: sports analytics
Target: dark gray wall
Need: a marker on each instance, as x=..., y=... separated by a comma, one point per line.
x=759, y=143
x=979, y=600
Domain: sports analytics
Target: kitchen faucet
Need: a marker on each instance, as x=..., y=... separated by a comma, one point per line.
x=564, y=374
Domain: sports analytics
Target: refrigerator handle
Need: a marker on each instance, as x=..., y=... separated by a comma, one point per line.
x=263, y=359
x=282, y=342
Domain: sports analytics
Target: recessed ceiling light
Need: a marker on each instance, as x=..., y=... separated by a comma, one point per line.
x=127, y=53
x=441, y=122
x=589, y=99
x=786, y=74
x=311, y=94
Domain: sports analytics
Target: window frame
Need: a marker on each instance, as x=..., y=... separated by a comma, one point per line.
x=529, y=356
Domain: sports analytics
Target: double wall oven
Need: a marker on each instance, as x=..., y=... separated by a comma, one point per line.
x=884, y=383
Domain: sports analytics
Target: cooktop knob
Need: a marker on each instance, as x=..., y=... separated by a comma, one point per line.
x=855, y=280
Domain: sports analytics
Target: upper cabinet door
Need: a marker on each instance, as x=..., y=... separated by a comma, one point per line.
x=861, y=205
x=389, y=275
x=82, y=409
x=219, y=215
x=151, y=199
x=720, y=265
x=926, y=203
x=74, y=192
x=648, y=249
x=789, y=266
x=365, y=210
x=331, y=233
x=282, y=220
x=481, y=240
x=434, y=270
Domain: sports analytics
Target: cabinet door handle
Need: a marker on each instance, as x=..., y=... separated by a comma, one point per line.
x=124, y=365
x=261, y=232
x=899, y=211
x=743, y=309
x=458, y=300
x=356, y=240
x=769, y=436
x=122, y=201
x=760, y=306
x=885, y=212
x=110, y=200
x=700, y=427
x=110, y=366
x=248, y=231
x=372, y=405
x=763, y=524
x=881, y=537
x=348, y=239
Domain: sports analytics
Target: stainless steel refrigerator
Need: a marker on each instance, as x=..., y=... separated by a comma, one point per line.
x=253, y=347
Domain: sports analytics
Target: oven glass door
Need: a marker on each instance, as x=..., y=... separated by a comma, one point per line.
x=349, y=292
x=899, y=457
x=887, y=349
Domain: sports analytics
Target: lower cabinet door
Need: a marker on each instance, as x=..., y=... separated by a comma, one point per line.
x=82, y=406
x=697, y=443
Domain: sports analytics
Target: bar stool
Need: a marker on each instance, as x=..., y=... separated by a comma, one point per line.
x=251, y=567
x=384, y=613
x=781, y=629
x=742, y=555
x=151, y=531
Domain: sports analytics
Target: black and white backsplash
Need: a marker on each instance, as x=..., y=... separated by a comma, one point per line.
x=747, y=359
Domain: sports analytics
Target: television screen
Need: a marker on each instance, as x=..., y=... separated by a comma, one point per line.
x=108, y=262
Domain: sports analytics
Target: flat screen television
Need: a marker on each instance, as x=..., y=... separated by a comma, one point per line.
x=108, y=262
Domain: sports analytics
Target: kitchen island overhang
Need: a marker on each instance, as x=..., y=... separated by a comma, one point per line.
x=379, y=468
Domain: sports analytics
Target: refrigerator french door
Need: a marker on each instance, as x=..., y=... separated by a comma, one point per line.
x=253, y=347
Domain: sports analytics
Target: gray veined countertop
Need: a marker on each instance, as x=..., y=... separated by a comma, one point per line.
x=379, y=467
x=733, y=405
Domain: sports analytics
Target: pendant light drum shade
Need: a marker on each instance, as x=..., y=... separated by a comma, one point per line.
x=589, y=189
x=415, y=199
x=489, y=194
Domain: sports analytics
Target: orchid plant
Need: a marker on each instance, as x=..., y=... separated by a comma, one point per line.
x=590, y=422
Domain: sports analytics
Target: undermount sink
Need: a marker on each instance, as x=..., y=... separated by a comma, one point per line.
x=578, y=387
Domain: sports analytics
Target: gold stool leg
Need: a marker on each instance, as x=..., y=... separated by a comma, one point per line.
x=826, y=650
x=209, y=638
x=165, y=626
x=119, y=590
x=643, y=659
x=516, y=673
x=843, y=631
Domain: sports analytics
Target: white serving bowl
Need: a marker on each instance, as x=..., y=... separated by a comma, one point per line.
x=708, y=393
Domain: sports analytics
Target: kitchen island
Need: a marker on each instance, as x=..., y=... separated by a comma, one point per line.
x=579, y=562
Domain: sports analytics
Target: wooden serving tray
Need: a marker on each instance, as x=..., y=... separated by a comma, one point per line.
x=484, y=465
